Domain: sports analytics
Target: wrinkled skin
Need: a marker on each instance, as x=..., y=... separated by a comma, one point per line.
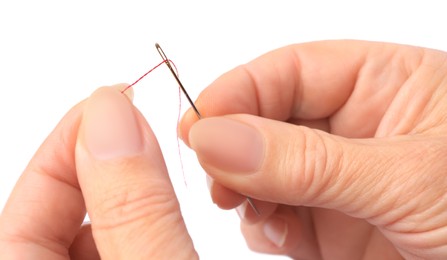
x=119, y=177
x=341, y=145
x=371, y=183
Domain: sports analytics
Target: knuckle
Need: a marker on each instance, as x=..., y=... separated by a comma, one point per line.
x=305, y=167
x=128, y=204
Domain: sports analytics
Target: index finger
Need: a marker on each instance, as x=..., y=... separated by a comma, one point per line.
x=307, y=81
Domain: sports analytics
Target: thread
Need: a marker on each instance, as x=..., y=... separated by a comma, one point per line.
x=178, y=137
x=179, y=109
x=144, y=75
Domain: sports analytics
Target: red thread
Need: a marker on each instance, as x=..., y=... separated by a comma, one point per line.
x=178, y=137
x=145, y=74
x=179, y=108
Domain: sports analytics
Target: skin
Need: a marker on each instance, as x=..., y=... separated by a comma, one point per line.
x=125, y=188
x=353, y=136
x=341, y=145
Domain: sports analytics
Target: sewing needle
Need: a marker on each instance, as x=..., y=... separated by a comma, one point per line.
x=168, y=63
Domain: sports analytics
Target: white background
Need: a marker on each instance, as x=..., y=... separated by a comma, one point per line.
x=55, y=53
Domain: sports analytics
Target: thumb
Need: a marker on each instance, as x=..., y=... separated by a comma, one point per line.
x=294, y=165
x=130, y=200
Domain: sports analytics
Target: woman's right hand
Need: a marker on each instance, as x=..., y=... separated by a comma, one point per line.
x=342, y=144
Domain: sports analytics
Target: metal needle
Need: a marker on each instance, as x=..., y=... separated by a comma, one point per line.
x=168, y=63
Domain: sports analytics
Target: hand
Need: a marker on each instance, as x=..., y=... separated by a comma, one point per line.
x=343, y=144
x=102, y=157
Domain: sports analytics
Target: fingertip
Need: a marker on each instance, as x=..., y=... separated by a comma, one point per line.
x=109, y=127
x=288, y=231
x=223, y=197
x=278, y=234
x=276, y=230
x=125, y=89
x=186, y=122
x=250, y=216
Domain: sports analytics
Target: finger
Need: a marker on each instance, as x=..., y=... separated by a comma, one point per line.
x=279, y=162
x=224, y=198
x=285, y=232
x=250, y=216
x=129, y=197
x=83, y=246
x=46, y=208
x=356, y=234
x=228, y=199
x=313, y=81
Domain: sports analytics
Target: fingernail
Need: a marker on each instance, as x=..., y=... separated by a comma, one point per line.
x=241, y=210
x=275, y=230
x=209, y=182
x=110, y=125
x=227, y=144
